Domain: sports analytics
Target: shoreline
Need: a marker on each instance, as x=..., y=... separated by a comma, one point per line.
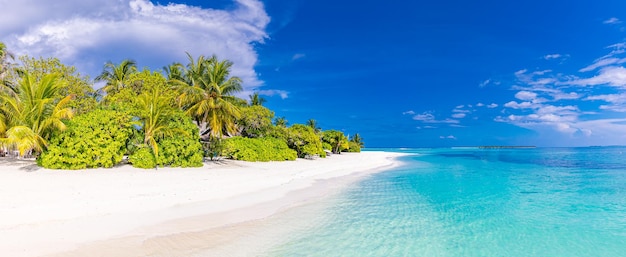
x=129, y=212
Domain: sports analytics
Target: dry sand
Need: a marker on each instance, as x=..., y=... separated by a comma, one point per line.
x=166, y=212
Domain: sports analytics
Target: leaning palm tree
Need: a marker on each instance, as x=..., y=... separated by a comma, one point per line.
x=207, y=95
x=116, y=75
x=32, y=112
x=256, y=99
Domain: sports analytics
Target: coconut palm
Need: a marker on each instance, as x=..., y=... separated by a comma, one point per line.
x=356, y=138
x=31, y=113
x=207, y=94
x=116, y=75
x=256, y=99
x=313, y=124
x=154, y=113
x=280, y=122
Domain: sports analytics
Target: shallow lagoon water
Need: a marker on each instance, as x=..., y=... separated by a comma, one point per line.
x=474, y=202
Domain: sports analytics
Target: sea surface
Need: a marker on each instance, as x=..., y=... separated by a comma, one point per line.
x=474, y=202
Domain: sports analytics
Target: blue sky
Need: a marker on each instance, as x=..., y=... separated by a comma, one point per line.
x=400, y=73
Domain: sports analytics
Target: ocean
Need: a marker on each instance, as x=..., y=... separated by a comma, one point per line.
x=473, y=202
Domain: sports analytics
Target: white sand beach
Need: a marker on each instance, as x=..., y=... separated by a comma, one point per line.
x=131, y=212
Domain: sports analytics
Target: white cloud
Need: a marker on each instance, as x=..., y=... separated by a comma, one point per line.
x=448, y=137
x=541, y=72
x=297, y=56
x=526, y=95
x=552, y=56
x=459, y=115
x=430, y=118
x=601, y=63
x=492, y=105
x=484, y=83
x=87, y=33
x=612, y=20
x=480, y=105
x=521, y=105
x=410, y=112
x=612, y=75
x=272, y=92
x=617, y=102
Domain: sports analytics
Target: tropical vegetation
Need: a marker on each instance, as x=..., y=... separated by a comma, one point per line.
x=177, y=117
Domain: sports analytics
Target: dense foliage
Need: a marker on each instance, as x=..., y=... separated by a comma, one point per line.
x=172, y=118
x=257, y=149
x=304, y=140
x=181, y=149
x=143, y=158
x=336, y=139
x=95, y=139
x=255, y=121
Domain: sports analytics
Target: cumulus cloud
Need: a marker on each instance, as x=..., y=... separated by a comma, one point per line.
x=526, y=95
x=87, y=33
x=459, y=115
x=492, y=105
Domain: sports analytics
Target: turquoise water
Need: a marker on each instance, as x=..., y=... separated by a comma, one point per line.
x=472, y=202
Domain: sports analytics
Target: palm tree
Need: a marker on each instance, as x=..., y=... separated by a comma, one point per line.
x=31, y=113
x=116, y=75
x=356, y=138
x=154, y=114
x=256, y=99
x=207, y=94
x=280, y=122
x=313, y=124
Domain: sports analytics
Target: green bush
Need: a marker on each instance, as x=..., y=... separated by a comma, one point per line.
x=336, y=139
x=143, y=158
x=92, y=140
x=181, y=149
x=257, y=149
x=354, y=147
x=304, y=140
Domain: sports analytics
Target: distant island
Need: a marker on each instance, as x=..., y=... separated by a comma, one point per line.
x=506, y=147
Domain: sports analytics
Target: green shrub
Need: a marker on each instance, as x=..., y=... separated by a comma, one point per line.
x=181, y=149
x=354, y=147
x=92, y=140
x=143, y=158
x=304, y=140
x=336, y=139
x=257, y=149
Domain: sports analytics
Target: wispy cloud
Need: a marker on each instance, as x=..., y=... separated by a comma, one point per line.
x=427, y=117
x=448, y=137
x=298, y=56
x=410, y=112
x=552, y=56
x=272, y=92
x=492, y=105
x=612, y=20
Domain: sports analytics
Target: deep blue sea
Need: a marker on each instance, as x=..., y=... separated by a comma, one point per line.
x=473, y=202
